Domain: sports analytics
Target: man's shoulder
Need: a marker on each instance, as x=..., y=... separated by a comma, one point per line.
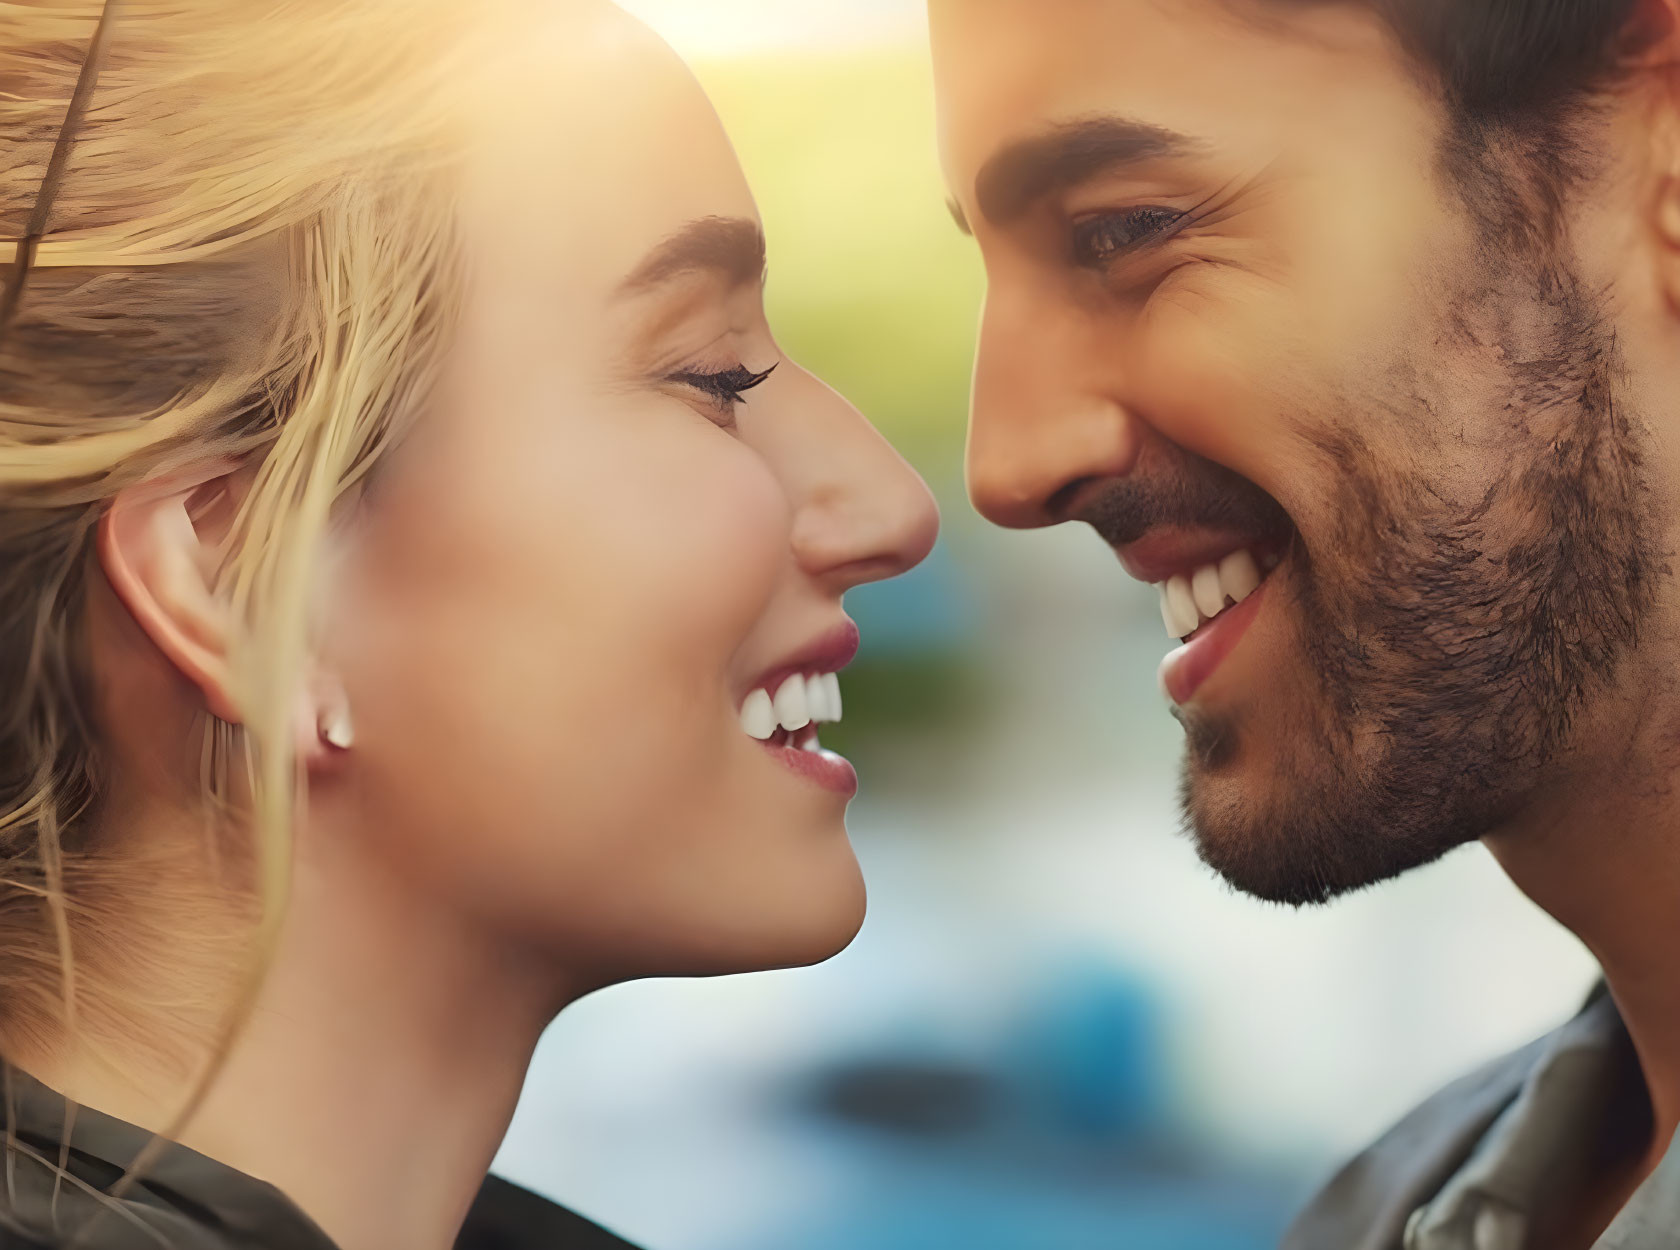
x=507, y=1217
x=1366, y=1205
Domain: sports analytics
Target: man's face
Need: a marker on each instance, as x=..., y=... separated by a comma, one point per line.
x=1281, y=330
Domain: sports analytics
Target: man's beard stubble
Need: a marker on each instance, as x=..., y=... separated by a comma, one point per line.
x=1450, y=637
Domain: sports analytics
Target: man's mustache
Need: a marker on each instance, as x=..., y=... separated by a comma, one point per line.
x=1200, y=495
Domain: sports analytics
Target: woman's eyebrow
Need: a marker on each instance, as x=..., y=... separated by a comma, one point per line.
x=732, y=247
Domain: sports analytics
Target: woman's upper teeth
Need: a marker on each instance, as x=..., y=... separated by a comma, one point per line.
x=799, y=701
x=1187, y=601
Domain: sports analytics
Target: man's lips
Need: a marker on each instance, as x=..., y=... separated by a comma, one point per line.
x=1187, y=670
x=1170, y=552
x=1211, y=584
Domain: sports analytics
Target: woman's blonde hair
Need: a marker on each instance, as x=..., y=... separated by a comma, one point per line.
x=251, y=257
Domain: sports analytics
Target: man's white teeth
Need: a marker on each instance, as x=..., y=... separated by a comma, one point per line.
x=1239, y=576
x=1188, y=602
x=1179, y=606
x=1207, y=593
x=798, y=702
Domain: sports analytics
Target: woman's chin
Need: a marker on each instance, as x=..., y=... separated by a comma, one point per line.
x=828, y=918
x=796, y=929
x=824, y=942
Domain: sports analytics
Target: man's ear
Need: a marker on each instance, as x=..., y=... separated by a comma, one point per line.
x=160, y=545
x=1652, y=46
x=1650, y=31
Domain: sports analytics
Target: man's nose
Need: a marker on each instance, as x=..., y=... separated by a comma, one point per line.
x=1047, y=416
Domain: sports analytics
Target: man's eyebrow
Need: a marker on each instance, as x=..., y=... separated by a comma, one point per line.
x=730, y=246
x=1065, y=156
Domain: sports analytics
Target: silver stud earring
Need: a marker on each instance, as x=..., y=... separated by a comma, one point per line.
x=336, y=731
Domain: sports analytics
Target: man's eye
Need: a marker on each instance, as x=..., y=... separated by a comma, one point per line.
x=1099, y=241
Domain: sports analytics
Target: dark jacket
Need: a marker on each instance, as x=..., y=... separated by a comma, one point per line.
x=185, y=1201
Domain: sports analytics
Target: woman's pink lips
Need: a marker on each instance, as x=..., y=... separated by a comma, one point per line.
x=830, y=653
x=828, y=770
x=1188, y=669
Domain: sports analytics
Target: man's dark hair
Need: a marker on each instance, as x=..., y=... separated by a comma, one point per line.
x=1498, y=60
x=1517, y=77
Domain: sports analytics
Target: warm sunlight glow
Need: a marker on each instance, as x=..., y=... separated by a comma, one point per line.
x=729, y=27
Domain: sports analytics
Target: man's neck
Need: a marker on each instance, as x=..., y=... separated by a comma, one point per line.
x=1601, y=853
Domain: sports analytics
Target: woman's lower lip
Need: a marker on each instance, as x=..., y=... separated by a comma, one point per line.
x=1188, y=669
x=830, y=771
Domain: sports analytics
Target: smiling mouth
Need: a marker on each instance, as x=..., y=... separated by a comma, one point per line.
x=794, y=739
x=1211, y=592
x=790, y=716
x=1190, y=602
x=786, y=725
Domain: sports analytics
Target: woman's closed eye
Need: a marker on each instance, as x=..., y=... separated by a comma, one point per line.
x=724, y=388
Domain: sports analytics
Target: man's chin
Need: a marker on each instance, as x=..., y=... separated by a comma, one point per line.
x=1275, y=835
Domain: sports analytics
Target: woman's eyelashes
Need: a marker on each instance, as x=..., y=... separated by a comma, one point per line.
x=725, y=388
x=1101, y=240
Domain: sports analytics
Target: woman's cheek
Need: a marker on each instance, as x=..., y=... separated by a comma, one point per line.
x=732, y=543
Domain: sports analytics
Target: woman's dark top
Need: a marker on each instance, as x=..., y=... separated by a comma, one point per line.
x=185, y=1201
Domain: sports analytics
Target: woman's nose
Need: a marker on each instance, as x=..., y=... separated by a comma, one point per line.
x=863, y=514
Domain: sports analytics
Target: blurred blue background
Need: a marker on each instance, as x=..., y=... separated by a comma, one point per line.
x=1057, y=1031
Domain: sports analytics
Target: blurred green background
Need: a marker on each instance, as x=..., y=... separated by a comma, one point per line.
x=871, y=285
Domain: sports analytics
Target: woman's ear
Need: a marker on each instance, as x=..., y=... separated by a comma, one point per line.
x=160, y=544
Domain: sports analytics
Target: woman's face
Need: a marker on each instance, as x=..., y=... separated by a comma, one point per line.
x=565, y=588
